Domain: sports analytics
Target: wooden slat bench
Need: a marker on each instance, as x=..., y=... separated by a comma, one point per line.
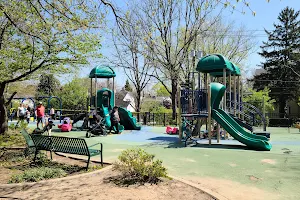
x=64, y=145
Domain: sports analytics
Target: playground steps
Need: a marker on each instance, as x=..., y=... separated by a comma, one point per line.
x=242, y=123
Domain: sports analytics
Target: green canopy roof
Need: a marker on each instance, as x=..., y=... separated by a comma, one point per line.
x=102, y=72
x=236, y=71
x=214, y=63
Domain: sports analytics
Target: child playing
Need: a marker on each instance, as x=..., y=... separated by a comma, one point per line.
x=114, y=118
x=28, y=116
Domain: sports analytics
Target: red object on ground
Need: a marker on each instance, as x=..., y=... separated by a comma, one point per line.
x=171, y=130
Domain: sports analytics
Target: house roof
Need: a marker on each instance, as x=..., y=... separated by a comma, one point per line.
x=119, y=99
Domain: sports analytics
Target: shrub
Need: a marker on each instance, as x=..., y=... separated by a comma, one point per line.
x=139, y=166
x=12, y=138
x=12, y=126
x=37, y=174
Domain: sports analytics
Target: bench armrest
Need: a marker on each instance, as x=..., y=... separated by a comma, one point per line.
x=101, y=146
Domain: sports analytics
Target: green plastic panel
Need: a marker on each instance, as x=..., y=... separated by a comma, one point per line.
x=102, y=72
x=231, y=126
x=214, y=63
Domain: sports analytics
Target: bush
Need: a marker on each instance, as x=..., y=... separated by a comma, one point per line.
x=139, y=166
x=37, y=174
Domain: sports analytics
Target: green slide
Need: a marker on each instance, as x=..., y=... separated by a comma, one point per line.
x=231, y=126
x=106, y=116
x=127, y=120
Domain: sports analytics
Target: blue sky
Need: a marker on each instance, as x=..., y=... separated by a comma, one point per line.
x=266, y=15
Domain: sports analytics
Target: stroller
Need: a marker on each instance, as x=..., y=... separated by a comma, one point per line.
x=97, y=128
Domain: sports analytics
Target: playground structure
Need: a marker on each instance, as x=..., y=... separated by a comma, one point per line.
x=211, y=101
x=102, y=101
x=40, y=98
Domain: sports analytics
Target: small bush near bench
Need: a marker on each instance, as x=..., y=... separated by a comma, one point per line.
x=138, y=166
x=37, y=174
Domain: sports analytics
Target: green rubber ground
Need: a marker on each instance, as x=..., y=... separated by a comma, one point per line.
x=276, y=171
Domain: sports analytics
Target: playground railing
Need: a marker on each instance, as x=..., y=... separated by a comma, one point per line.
x=248, y=113
x=193, y=101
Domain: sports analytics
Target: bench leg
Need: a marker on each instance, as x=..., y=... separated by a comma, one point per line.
x=35, y=154
x=88, y=162
x=51, y=155
x=101, y=155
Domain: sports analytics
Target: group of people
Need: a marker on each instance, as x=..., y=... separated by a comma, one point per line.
x=24, y=112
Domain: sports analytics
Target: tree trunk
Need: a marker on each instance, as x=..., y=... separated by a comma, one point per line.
x=138, y=104
x=173, y=97
x=3, y=112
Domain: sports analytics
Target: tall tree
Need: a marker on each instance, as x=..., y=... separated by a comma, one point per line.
x=169, y=27
x=38, y=34
x=48, y=85
x=73, y=95
x=127, y=86
x=282, y=58
x=131, y=56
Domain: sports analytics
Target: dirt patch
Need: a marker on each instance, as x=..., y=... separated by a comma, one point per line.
x=94, y=186
x=232, y=190
x=189, y=160
x=268, y=161
x=232, y=164
x=254, y=178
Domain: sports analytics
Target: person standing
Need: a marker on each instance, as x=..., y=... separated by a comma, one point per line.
x=40, y=114
x=114, y=119
x=21, y=112
x=52, y=113
x=27, y=114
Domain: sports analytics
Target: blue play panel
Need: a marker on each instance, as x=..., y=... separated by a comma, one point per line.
x=146, y=135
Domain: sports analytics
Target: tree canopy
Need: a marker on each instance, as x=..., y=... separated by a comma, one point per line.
x=282, y=58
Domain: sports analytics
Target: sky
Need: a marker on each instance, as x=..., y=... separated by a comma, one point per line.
x=266, y=15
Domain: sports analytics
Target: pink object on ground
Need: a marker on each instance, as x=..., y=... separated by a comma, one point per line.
x=66, y=126
x=171, y=130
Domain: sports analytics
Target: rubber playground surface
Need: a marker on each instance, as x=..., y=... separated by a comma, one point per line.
x=230, y=170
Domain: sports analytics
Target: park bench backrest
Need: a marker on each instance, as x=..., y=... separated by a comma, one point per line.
x=61, y=144
x=27, y=137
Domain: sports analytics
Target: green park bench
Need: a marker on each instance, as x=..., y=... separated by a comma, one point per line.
x=62, y=144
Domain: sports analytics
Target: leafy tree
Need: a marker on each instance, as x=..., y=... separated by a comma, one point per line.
x=128, y=86
x=48, y=85
x=24, y=89
x=155, y=107
x=74, y=95
x=161, y=90
x=131, y=57
x=282, y=59
x=169, y=29
x=36, y=35
x=258, y=98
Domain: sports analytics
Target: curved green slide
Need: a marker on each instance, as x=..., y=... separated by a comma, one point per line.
x=127, y=120
x=231, y=126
